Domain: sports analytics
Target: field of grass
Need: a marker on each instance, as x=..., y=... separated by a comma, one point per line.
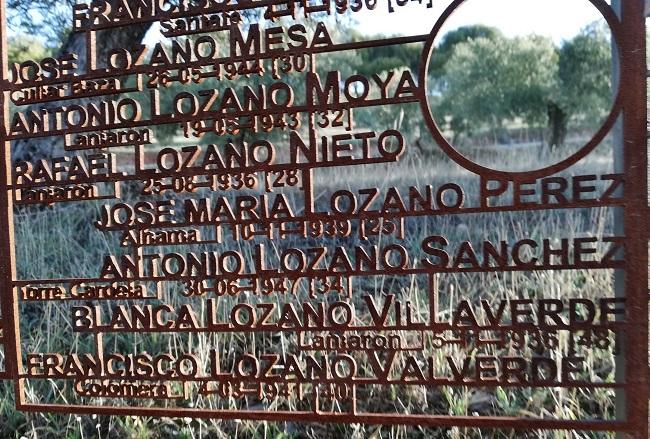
x=59, y=241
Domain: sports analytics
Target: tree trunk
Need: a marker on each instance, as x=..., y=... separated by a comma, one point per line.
x=107, y=40
x=558, y=121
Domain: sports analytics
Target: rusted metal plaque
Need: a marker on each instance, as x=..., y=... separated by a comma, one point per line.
x=274, y=259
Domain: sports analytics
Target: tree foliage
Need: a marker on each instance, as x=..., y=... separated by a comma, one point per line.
x=23, y=47
x=49, y=19
x=489, y=81
x=479, y=79
x=585, y=73
x=390, y=57
x=447, y=46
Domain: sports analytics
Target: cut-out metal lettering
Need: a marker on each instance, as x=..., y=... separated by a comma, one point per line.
x=232, y=285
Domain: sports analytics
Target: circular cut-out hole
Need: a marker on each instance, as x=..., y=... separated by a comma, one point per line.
x=516, y=101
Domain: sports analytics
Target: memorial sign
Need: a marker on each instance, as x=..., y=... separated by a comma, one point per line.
x=274, y=259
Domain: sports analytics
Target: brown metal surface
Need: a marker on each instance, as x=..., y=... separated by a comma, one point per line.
x=147, y=198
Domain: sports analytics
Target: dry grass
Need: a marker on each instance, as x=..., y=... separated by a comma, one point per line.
x=58, y=242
